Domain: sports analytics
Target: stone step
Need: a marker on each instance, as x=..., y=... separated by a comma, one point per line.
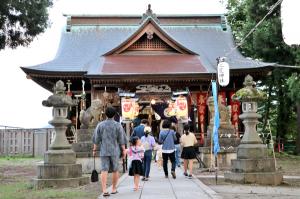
x=253, y=165
x=262, y=178
x=60, y=183
x=46, y=171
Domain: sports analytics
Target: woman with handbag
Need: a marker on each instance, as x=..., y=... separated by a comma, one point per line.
x=167, y=138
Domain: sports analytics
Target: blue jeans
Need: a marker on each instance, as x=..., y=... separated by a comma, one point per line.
x=177, y=154
x=147, y=162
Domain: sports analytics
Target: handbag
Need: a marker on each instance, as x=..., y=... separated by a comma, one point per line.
x=94, y=176
x=164, y=138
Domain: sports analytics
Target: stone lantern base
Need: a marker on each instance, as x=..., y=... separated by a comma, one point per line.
x=58, y=170
x=228, y=148
x=252, y=166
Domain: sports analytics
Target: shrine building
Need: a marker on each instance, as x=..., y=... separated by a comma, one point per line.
x=152, y=58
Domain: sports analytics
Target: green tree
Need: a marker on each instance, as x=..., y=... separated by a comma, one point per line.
x=22, y=20
x=294, y=88
x=266, y=44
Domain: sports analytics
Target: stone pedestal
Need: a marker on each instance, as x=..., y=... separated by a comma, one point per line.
x=59, y=168
x=84, y=146
x=252, y=164
x=84, y=150
x=228, y=140
x=224, y=157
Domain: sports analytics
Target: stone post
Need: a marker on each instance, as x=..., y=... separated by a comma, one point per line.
x=59, y=168
x=252, y=164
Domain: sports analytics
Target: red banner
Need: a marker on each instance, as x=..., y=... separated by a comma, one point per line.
x=201, y=103
x=235, y=112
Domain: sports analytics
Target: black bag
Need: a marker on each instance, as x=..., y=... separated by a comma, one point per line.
x=94, y=176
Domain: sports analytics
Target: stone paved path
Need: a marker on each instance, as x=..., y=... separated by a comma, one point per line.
x=159, y=187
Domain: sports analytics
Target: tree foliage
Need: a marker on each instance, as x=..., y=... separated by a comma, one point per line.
x=22, y=20
x=294, y=87
x=266, y=44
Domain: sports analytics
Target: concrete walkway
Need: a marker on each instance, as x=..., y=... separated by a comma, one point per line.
x=159, y=187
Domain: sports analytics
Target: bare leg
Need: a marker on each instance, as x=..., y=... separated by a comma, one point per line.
x=185, y=165
x=136, y=182
x=191, y=166
x=115, y=178
x=103, y=181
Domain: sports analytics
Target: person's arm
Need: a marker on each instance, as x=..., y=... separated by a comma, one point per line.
x=134, y=132
x=174, y=136
x=96, y=139
x=160, y=138
x=122, y=140
x=152, y=142
x=195, y=140
x=182, y=141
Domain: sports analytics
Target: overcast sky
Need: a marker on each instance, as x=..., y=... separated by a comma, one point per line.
x=21, y=98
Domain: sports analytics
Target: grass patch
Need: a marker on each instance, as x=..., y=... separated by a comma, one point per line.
x=19, y=160
x=287, y=156
x=23, y=190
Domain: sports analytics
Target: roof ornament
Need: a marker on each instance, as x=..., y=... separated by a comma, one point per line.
x=149, y=35
x=149, y=13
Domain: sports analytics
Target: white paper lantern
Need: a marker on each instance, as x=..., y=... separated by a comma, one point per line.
x=223, y=73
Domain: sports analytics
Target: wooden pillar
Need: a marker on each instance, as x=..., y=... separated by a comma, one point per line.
x=128, y=130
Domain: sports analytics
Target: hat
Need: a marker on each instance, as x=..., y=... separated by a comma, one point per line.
x=147, y=129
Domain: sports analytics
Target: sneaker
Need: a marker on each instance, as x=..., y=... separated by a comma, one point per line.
x=185, y=174
x=143, y=179
x=190, y=176
x=173, y=174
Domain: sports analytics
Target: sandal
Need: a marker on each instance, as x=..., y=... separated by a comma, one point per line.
x=115, y=192
x=106, y=194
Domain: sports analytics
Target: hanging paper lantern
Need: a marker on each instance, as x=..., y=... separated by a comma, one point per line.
x=136, y=109
x=223, y=73
x=182, y=108
x=128, y=109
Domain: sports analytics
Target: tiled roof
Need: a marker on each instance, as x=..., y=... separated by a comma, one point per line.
x=81, y=50
x=152, y=64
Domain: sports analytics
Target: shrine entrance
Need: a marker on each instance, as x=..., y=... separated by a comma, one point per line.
x=155, y=103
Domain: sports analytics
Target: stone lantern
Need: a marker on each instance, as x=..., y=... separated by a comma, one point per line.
x=252, y=164
x=59, y=168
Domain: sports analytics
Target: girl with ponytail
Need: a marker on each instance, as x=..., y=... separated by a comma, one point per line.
x=187, y=141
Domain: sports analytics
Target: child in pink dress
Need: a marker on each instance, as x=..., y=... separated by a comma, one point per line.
x=136, y=155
